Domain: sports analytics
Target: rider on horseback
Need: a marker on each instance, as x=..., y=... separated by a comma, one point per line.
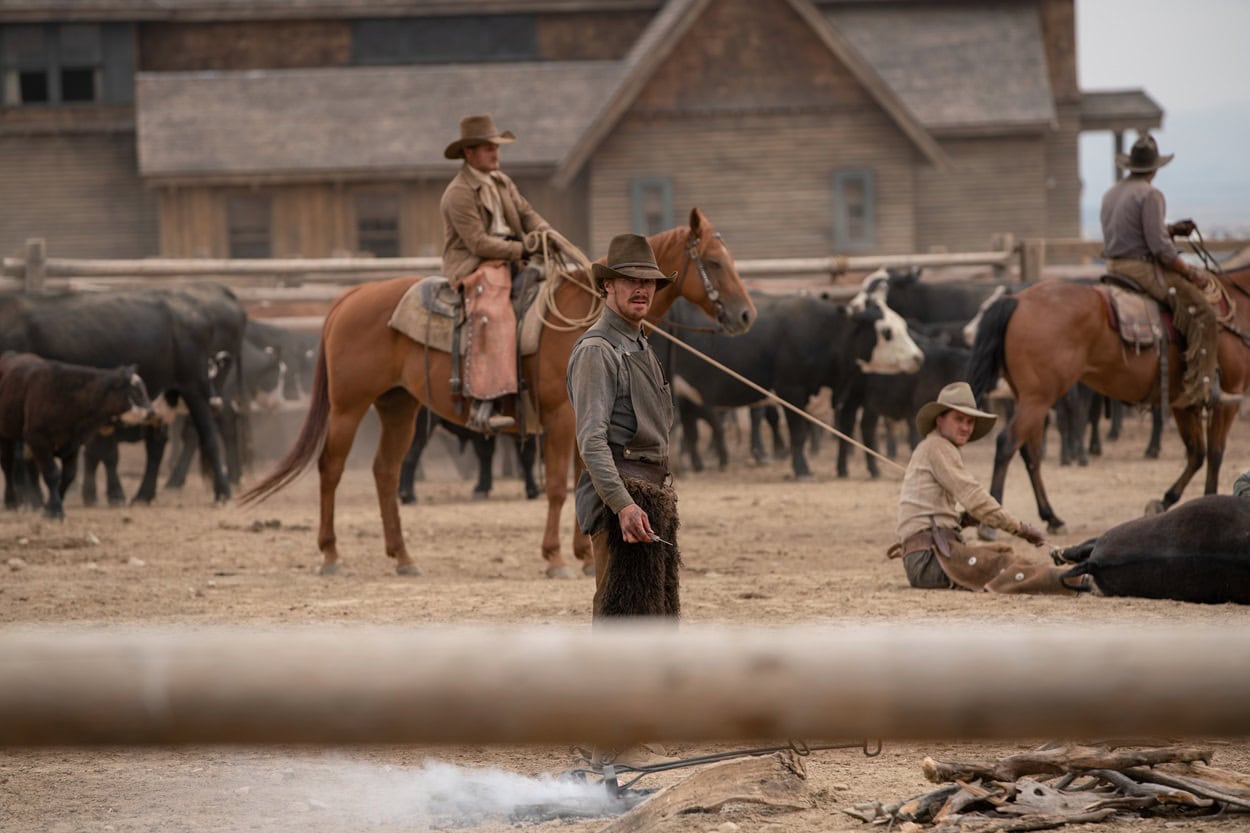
x=486, y=219
x=1138, y=244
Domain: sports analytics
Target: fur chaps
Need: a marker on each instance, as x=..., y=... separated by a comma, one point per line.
x=642, y=579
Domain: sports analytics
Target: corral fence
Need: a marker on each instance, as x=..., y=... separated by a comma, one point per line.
x=281, y=279
x=618, y=684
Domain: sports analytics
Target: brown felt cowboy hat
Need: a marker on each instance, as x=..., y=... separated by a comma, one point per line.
x=1143, y=157
x=957, y=396
x=476, y=130
x=630, y=257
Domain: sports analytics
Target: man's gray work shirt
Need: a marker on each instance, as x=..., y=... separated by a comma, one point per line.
x=599, y=388
x=1133, y=224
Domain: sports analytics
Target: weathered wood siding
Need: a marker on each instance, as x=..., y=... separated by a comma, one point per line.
x=79, y=191
x=319, y=219
x=994, y=185
x=239, y=45
x=589, y=36
x=750, y=126
x=1063, y=175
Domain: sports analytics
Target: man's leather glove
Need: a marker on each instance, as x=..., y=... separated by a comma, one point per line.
x=966, y=519
x=1182, y=228
x=1031, y=534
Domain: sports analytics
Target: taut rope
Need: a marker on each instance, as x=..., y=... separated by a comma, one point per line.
x=596, y=309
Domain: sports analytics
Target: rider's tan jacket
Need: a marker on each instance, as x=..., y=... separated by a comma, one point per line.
x=467, y=240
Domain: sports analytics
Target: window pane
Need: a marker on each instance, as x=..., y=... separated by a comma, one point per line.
x=32, y=87
x=24, y=45
x=80, y=44
x=854, y=221
x=247, y=223
x=652, y=204
x=421, y=40
x=78, y=85
x=377, y=224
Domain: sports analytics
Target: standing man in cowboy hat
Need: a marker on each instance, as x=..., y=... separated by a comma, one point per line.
x=624, y=411
x=934, y=488
x=1137, y=242
x=485, y=221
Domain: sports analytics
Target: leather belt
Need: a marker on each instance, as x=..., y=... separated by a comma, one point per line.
x=655, y=473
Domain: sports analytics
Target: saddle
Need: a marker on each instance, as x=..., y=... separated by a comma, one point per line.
x=1140, y=320
x=430, y=312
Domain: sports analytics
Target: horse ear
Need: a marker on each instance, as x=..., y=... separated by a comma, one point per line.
x=696, y=221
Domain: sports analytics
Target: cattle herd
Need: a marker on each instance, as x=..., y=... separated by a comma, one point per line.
x=83, y=372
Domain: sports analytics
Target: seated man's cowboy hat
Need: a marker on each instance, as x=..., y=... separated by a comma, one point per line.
x=957, y=396
x=1143, y=157
x=630, y=257
x=477, y=130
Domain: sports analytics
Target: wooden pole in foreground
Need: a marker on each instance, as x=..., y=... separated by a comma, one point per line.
x=617, y=685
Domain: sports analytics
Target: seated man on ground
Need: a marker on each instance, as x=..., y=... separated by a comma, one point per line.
x=934, y=488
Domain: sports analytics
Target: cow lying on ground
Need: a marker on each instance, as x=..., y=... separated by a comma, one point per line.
x=1198, y=551
x=50, y=408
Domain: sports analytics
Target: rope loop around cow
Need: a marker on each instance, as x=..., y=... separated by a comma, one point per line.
x=557, y=250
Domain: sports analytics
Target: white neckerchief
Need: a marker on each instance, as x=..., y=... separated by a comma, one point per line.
x=491, y=199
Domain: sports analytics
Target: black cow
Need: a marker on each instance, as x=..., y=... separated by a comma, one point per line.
x=798, y=344
x=1198, y=551
x=897, y=396
x=50, y=408
x=277, y=369
x=483, y=447
x=170, y=335
x=932, y=302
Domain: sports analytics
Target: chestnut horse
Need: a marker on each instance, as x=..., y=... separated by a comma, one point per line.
x=362, y=362
x=1056, y=333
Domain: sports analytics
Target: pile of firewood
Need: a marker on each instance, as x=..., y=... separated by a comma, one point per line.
x=1057, y=785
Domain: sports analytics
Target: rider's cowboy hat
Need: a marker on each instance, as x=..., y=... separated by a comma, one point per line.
x=957, y=396
x=630, y=257
x=477, y=130
x=1144, y=156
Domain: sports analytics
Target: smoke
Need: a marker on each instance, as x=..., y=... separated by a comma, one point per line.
x=337, y=793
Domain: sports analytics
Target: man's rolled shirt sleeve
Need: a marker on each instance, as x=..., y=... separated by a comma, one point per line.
x=592, y=388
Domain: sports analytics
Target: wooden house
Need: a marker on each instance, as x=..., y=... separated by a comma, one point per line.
x=256, y=128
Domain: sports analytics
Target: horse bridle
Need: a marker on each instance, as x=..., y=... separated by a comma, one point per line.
x=693, y=255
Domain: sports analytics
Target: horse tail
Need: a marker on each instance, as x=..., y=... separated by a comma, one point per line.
x=986, y=364
x=311, y=435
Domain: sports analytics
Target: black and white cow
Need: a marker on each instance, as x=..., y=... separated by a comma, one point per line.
x=49, y=408
x=797, y=345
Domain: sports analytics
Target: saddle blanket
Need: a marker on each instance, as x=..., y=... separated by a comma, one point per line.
x=425, y=315
x=1136, y=316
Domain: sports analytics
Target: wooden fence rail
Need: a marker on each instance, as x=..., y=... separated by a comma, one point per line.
x=616, y=685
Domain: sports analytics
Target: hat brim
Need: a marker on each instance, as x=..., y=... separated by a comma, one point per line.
x=456, y=149
x=1123, y=160
x=927, y=416
x=601, y=273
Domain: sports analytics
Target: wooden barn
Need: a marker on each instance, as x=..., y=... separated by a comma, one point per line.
x=272, y=128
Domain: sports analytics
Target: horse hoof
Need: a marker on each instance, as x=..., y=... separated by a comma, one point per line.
x=803, y=478
x=330, y=569
x=1155, y=507
x=1056, y=528
x=588, y=568
x=479, y=495
x=408, y=570
x=407, y=500
x=559, y=572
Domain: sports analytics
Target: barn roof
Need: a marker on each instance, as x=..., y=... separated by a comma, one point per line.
x=957, y=66
x=377, y=120
x=1119, y=110
x=33, y=10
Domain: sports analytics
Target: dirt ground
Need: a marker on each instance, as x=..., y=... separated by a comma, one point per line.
x=759, y=548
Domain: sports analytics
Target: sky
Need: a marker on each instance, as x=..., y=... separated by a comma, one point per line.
x=1193, y=59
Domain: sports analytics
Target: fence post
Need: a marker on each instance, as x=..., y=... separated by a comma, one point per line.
x=36, y=264
x=1003, y=241
x=1032, y=260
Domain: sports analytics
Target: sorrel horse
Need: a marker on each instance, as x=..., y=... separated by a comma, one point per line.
x=1056, y=333
x=362, y=362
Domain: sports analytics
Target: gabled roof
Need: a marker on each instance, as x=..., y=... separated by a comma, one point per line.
x=663, y=34
x=367, y=120
x=960, y=65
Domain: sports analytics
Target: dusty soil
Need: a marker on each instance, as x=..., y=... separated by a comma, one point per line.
x=759, y=548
